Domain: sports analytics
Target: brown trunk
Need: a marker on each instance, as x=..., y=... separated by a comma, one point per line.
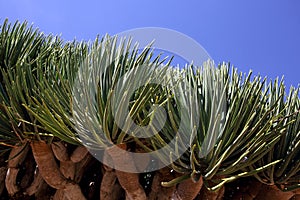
x=296, y=191
x=296, y=197
x=188, y=189
x=47, y=165
x=211, y=195
x=79, y=154
x=29, y=166
x=81, y=167
x=59, y=195
x=35, y=185
x=68, y=169
x=10, y=181
x=44, y=191
x=72, y=167
x=221, y=193
x=248, y=190
x=128, y=181
x=143, y=161
x=158, y=192
x=38, y=187
x=66, y=166
x=108, y=181
x=272, y=192
x=60, y=151
x=72, y=192
x=3, y=171
x=16, y=158
x=51, y=173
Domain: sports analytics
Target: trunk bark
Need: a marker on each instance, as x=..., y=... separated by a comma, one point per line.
x=211, y=195
x=247, y=190
x=3, y=171
x=158, y=192
x=47, y=165
x=188, y=189
x=79, y=154
x=35, y=185
x=108, y=181
x=81, y=167
x=60, y=151
x=51, y=173
x=28, y=175
x=272, y=192
x=44, y=191
x=128, y=181
x=68, y=168
x=296, y=197
x=16, y=158
x=59, y=195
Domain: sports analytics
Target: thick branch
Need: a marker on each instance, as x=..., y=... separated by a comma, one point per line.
x=108, y=181
x=212, y=195
x=128, y=181
x=47, y=165
x=16, y=158
x=274, y=193
x=36, y=184
x=158, y=192
x=188, y=189
x=79, y=154
x=60, y=151
x=3, y=171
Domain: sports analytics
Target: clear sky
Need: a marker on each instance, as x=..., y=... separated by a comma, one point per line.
x=262, y=35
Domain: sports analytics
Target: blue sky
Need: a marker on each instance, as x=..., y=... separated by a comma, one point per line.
x=260, y=35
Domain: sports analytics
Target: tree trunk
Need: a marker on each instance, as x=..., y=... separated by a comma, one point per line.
x=211, y=195
x=47, y=165
x=51, y=173
x=79, y=154
x=28, y=174
x=3, y=171
x=128, y=181
x=108, y=181
x=68, y=168
x=296, y=197
x=188, y=189
x=16, y=157
x=158, y=192
x=35, y=185
x=272, y=192
x=247, y=189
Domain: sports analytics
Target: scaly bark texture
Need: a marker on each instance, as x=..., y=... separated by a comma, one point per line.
x=128, y=181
